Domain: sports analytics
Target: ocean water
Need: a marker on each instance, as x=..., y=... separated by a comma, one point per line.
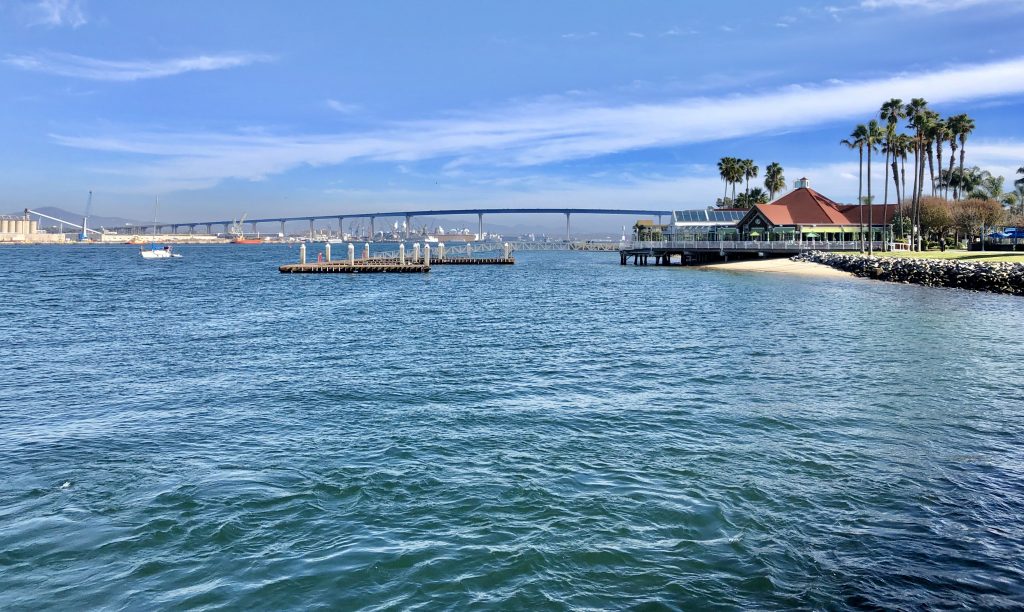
x=565, y=433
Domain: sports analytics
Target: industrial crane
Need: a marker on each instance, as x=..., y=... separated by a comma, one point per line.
x=84, y=236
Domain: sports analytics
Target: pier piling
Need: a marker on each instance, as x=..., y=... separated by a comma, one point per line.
x=302, y=253
x=351, y=254
x=327, y=252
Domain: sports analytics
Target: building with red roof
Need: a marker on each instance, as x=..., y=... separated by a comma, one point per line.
x=805, y=213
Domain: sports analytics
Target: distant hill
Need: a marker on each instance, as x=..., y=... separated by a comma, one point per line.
x=95, y=222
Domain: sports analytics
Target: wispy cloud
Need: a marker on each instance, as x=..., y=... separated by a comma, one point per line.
x=545, y=132
x=931, y=5
x=343, y=107
x=636, y=35
x=77, y=66
x=56, y=13
x=578, y=35
x=677, y=31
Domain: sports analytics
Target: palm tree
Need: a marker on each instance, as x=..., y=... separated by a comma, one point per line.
x=857, y=141
x=931, y=130
x=873, y=135
x=725, y=171
x=750, y=171
x=966, y=126
x=1020, y=182
x=775, y=181
x=918, y=115
x=954, y=125
x=891, y=113
x=939, y=134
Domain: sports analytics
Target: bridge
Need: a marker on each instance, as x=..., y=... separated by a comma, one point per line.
x=408, y=216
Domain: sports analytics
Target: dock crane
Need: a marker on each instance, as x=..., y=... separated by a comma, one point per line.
x=84, y=236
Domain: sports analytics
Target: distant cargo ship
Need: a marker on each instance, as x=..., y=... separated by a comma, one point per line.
x=244, y=240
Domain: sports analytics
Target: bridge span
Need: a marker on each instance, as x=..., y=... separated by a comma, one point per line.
x=410, y=214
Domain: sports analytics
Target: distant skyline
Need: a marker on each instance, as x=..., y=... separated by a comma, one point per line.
x=274, y=109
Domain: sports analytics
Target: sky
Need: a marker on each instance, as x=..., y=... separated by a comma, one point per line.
x=273, y=108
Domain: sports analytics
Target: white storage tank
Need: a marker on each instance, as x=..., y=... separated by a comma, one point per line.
x=5, y=226
x=33, y=227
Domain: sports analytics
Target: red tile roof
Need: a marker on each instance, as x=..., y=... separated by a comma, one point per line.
x=806, y=206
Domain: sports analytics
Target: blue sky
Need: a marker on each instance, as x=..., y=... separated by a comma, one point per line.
x=268, y=108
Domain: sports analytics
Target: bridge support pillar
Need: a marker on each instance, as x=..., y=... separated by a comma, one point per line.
x=408, y=225
x=282, y=229
x=191, y=230
x=341, y=227
x=226, y=226
x=209, y=228
x=370, y=237
x=252, y=226
x=311, y=230
x=480, y=226
x=567, y=227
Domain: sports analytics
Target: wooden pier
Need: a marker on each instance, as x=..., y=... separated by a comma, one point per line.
x=388, y=262
x=359, y=267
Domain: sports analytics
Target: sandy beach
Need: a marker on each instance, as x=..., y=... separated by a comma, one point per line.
x=780, y=266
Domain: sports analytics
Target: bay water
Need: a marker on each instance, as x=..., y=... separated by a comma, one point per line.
x=564, y=433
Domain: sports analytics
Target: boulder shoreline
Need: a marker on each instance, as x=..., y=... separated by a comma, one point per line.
x=993, y=277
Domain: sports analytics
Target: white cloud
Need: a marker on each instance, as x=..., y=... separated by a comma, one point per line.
x=77, y=66
x=56, y=13
x=578, y=35
x=675, y=31
x=929, y=5
x=636, y=35
x=342, y=107
x=545, y=132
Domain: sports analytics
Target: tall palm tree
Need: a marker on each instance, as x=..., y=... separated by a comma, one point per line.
x=966, y=126
x=857, y=141
x=775, y=181
x=873, y=135
x=954, y=125
x=750, y=171
x=939, y=134
x=918, y=115
x=931, y=131
x=725, y=171
x=1020, y=182
x=891, y=113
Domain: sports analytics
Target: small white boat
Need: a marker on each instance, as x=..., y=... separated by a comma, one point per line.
x=155, y=253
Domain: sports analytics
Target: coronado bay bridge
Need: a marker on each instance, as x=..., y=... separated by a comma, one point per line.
x=408, y=217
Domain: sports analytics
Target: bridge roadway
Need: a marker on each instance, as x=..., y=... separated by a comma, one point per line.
x=408, y=215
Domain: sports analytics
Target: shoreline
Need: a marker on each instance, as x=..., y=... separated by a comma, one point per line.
x=782, y=265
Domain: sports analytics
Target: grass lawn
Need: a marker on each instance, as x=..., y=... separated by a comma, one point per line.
x=1003, y=256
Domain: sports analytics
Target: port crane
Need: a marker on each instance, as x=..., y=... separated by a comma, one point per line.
x=84, y=236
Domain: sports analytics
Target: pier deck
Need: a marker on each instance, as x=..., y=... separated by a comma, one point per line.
x=369, y=266
x=360, y=267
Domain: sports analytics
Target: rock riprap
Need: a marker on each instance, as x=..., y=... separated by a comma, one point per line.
x=978, y=276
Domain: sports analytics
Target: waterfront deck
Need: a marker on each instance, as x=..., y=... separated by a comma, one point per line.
x=359, y=267
x=707, y=251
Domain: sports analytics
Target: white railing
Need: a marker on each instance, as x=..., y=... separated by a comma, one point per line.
x=752, y=245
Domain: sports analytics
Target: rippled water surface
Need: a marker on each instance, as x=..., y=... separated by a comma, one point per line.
x=563, y=433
